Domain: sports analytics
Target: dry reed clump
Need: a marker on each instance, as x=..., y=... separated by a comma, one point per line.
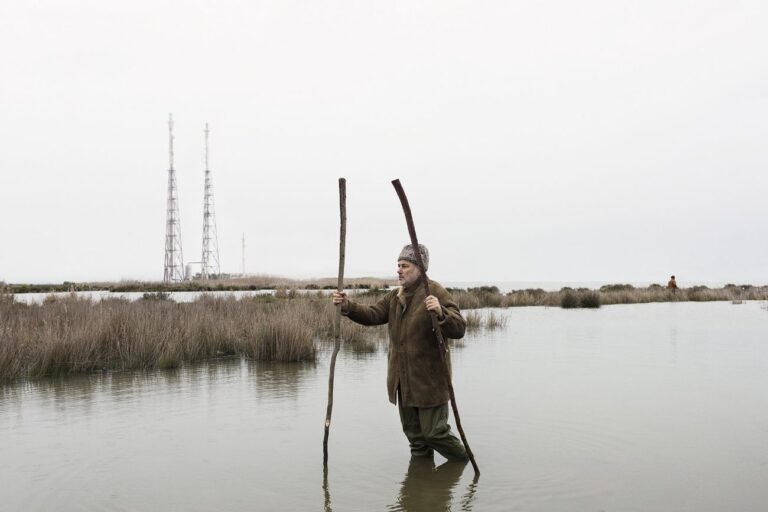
x=73, y=335
x=487, y=296
x=530, y=297
x=659, y=294
x=475, y=298
x=282, y=338
x=490, y=320
x=569, y=299
x=466, y=300
x=473, y=319
x=589, y=299
x=495, y=321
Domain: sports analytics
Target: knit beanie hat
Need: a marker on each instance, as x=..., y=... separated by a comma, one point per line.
x=408, y=254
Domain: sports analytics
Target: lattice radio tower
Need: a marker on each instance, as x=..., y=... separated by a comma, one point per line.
x=210, y=263
x=174, y=259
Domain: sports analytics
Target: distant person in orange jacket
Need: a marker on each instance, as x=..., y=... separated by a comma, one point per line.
x=672, y=284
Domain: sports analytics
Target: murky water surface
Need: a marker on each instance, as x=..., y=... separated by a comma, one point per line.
x=627, y=408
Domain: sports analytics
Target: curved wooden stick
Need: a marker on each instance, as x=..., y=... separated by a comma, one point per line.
x=433, y=315
x=337, y=322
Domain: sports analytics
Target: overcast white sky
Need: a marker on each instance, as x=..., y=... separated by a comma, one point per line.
x=537, y=140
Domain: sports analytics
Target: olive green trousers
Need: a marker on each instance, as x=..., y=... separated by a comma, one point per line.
x=427, y=429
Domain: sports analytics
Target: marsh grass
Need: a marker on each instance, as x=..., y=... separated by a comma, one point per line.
x=473, y=319
x=484, y=297
x=71, y=334
x=495, y=320
x=569, y=299
x=488, y=320
x=589, y=299
x=74, y=335
x=255, y=282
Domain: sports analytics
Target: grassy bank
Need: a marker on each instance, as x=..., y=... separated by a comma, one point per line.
x=490, y=296
x=75, y=335
x=263, y=282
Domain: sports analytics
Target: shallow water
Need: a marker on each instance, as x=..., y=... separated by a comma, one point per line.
x=96, y=296
x=636, y=407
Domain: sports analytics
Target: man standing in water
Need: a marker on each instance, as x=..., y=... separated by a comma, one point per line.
x=672, y=284
x=415, y=375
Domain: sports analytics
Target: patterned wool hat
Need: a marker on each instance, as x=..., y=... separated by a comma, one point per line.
x=408, y=254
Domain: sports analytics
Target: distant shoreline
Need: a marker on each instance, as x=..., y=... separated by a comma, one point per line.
x=474, y=297
x=225, y=285
x=567, y=297
x=257, y=283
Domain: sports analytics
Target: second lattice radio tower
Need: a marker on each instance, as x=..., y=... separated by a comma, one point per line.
x=174, y=259
x=210, y=262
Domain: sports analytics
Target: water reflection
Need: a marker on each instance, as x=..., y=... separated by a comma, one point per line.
x=363, y=349
x=469, y=496
x=326, y=491
x=274, y=380
x=428, y=487
x=271, y=382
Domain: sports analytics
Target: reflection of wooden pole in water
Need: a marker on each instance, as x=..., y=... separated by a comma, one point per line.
x=469, y=496
x=433, y=316
x=337, y=324
x=326, y=491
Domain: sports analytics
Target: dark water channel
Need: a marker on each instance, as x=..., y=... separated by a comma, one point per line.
x=626, y=408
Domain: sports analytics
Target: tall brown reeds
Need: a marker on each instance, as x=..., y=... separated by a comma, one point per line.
x=483, y=297
x=473, y=319
x=490, y=320
x=495, y=320
x=73, y=335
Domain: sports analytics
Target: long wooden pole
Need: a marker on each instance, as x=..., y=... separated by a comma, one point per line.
x=433, y=316
x=337, y=323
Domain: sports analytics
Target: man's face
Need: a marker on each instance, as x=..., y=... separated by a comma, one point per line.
x=407, y=273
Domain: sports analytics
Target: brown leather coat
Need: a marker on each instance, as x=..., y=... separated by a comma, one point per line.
x=414, y=358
